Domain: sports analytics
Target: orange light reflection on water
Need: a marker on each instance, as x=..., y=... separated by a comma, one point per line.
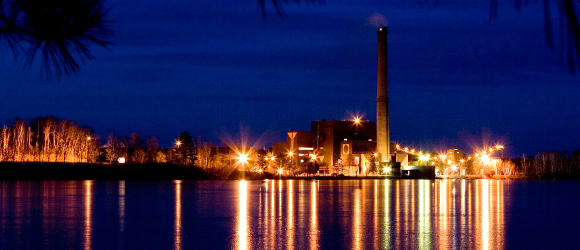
x=420, y=214
x=88, y=215
x=387, y=226
x=242, y=234
x=177, y=224
x=313, y=232
x=290, y=217
x=356, y=229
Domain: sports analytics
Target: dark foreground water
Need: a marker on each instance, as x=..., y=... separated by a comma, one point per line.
x=291, y=214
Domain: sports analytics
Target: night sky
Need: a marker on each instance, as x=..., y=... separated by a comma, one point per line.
x=215, y=68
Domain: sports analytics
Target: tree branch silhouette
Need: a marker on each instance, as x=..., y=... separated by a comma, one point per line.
x=278, y=6
x=61, y=31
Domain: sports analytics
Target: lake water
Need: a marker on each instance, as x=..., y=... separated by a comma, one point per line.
x=291, y=214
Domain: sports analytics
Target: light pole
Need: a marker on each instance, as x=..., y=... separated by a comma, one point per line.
x=242, y=160
x=87, y=149
x=313, y=160
x=178, y=143
x=291, y=162
x=270, y=162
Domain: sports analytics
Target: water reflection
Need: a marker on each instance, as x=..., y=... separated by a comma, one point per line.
x=290, y=216
x=424, y=213
x=314, y=232
x=121, y=200
x=357, y=225
x=177, y=224
x=242, y=234
x=295, y=214
x=121, y=206
x=88, y=217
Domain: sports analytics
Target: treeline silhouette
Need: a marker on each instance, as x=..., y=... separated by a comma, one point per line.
x=551, y=165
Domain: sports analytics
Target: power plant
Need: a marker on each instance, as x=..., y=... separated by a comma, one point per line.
x=353, y=147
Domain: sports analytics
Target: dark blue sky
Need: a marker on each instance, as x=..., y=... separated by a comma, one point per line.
x=211, y=67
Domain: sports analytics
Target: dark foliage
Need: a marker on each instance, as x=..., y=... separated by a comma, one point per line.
x=569, y=26
x=186, y=152
x=61, y=31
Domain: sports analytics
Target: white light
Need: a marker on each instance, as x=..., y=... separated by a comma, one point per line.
x=121, y=160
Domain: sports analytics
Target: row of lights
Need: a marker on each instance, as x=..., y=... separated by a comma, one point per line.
x=442, y=157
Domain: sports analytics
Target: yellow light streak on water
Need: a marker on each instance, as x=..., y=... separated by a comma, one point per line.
x=290, y=223
x=272, y=217
x=387, y=226
x=463, y=212
x=424, y=214
x=242, y=227
x=485, y=227
x=376, y=214
x=301, y=217
x=356, y=227
x=443, y=235
x=88, y=215
x=314, y=233
x=397, y=214
x=177, y=224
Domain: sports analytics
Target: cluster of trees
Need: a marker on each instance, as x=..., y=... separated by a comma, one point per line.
x=552, y=163
x=135, y=149
x=132, y=148
x=544, y=164
x=47, y=139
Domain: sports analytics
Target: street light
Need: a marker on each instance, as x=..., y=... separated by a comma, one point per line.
x=178, y=143
x=270, y=159
x=242, y=160
x=87, y=149
x=291, y=154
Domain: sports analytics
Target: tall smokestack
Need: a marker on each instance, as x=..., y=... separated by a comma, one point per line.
x=383, y=98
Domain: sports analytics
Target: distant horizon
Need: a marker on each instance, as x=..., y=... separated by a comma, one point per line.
x=258, y=141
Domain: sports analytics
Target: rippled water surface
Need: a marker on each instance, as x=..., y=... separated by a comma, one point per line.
x=291, y=214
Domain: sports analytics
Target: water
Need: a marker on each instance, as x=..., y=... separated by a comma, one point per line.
x=291, y=214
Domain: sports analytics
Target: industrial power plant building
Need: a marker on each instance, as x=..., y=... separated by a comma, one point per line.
x=340, y=146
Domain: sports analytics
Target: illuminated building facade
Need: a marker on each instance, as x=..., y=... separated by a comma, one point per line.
x=297, y=147
x=326, y=138
x=454, y=155
x=330, y=135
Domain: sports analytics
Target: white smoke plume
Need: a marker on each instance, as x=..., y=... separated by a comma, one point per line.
x=377, y=20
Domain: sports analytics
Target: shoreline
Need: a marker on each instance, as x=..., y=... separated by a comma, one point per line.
x=55, y=171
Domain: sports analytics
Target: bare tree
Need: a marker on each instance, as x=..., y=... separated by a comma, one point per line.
x=152, y=148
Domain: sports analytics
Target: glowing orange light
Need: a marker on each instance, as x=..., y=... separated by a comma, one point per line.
x=242, y=158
